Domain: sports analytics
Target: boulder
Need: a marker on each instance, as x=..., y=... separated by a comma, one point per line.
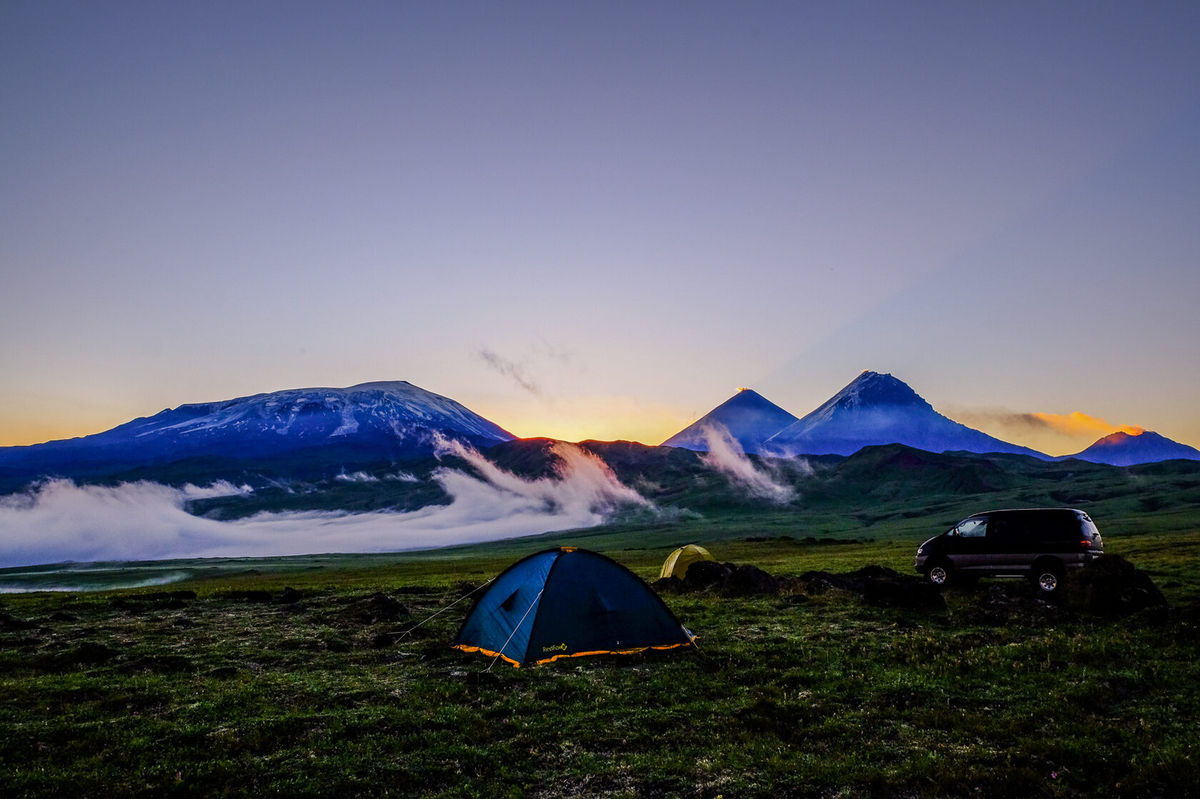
x=1113, y=587
x=747, y=579
x=708, y=574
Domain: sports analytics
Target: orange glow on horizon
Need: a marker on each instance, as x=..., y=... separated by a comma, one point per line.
x=37, y=417
x=24, y=433
x=640, y=430
x=650, y=431
x=591, y=419
x=1080, y=424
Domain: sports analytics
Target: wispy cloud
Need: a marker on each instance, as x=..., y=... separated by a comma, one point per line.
x=1068, y=424
x=726, y=455
x=1053, y=433
x=514, y=371
x=1077, y=423
x=60, y=521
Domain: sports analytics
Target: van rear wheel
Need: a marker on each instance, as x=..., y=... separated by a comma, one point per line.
x=1047, y=576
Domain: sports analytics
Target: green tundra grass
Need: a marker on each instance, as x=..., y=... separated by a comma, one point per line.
x=235, y=692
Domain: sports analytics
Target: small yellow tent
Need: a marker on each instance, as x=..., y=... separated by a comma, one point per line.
x=678, y=562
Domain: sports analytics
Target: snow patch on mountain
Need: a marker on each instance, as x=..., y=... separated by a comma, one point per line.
x=349, y=423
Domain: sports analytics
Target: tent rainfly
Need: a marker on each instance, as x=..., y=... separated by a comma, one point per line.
x=568, y=602
x=679, y=561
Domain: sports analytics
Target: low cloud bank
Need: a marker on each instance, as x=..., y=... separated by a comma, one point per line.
x=726, y=455
x=60, y=521
x=75, y=579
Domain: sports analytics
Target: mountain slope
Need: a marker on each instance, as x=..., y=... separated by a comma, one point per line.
x=368, y=421
x=877, y=409
x=1125, y=449
x=748, y=416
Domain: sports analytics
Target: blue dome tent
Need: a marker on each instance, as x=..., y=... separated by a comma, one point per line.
x=568, y=602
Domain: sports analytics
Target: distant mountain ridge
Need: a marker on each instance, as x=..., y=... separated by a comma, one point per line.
x=873, y=410
x=390, y=419
x=877, y=409
x=748, y=416
x=1126, y=449
x=314, y=433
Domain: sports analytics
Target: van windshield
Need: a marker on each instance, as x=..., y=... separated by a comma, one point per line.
x=972, y=528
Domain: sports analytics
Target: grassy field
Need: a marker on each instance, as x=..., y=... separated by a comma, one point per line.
x=228, y=685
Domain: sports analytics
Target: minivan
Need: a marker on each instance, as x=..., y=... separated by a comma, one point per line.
x=1038, y=543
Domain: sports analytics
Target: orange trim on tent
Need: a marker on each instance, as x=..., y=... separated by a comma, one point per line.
x=517, y=665
x=488, y=652
x=610, y=652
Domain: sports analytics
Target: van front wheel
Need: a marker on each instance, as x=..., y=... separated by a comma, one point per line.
x=939, y=573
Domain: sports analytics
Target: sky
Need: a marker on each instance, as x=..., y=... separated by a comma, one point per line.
x=598, y=220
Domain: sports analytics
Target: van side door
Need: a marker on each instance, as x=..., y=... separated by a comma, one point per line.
x=969, y=543
x=1007, y=542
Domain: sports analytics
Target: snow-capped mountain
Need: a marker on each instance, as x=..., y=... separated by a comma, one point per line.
x=880, y=409
x=294, y=418
x=748, y=416
x=1126, y=449
x=383, y=419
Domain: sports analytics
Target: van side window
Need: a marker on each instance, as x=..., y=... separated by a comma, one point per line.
x=972, y=528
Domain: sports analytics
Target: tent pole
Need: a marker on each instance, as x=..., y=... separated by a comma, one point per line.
x=514, y=632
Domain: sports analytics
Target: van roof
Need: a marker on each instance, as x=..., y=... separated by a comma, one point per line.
x=1029, y=511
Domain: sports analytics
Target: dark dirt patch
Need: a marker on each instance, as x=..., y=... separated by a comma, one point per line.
x=9, y=622
x=252, y=597
x=1008, y=600
x=154, y=600
x=380, y=607
x=159, y=664
x=87, y=653
x=159, y=596
x=876, y=585
x=1110, y=587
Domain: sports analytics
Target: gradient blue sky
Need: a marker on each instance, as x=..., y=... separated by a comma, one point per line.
x=598, y=220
